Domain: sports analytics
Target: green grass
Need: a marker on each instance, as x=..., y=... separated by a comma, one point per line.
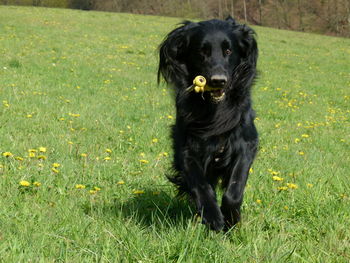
x=82, y=82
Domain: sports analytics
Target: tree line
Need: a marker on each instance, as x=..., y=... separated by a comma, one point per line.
x=319, y=16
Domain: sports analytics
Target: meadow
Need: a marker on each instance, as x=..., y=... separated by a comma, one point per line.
x=85, y=146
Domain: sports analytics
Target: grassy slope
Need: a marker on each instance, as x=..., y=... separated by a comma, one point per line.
x=56, y=64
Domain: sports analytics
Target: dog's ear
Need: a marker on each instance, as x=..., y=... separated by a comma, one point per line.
x=247, y=43
x=172, y=52
x=231, y=20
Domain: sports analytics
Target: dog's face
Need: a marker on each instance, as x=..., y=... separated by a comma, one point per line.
x=213, y=49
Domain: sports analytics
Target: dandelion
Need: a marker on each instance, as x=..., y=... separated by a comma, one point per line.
x=258, y=201
x=42, y=149
x=154, y=140
x=285, y=207
x=92, y=192
x=56, y=165
x=305, y=135
x=297, y=140
x=277, y=178
x=80, y=186
x=309, y=185
x=37, y=184
x=251, y=170
x=97, y=188
x=24, y=183
x=107, y=158
x=282, y=188
x=18, y=158
x=29, y=116
x=42, y=157
x=138, y=192
x=120, y=182
x=292, y=186
x=301, y=153
x=108, y=150
x=55, y=170
x=31, y=154
x=7, y=154
x=142, y=154
x=83, y=155
x=170, y=117
x=144, y=161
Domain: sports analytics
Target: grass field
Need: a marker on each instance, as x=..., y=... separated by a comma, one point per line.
x=84, y=144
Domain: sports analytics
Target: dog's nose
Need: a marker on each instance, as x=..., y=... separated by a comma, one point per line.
x=218, y=80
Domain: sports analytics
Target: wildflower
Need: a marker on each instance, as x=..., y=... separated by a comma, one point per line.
x=42, y=149
x=108, y=150
x=32, y=150
x=251, y=170
x=154, y=140
x=282, y=188
x=170, y=117
x=74, y=115
x=277, y=178
x=56, y=165
x=83, y=155
x=292, y=186
x=309, y=185
x=29, y=116
x=305, y=135
x=142, y=154
x=24, y=183
x=97, y=188
x=37, y=184
x=18, y=158
x=285, y=207
x=70, y=142
x=7, y=154
x=107, y=158
x=297, y=140
x=42, y=157
x=80, y=186
x=301, y=153
x=31, y=154
x=144, y=161
x=138, y=192
x=92, y=192
x=258, y=201
x=121, y=182
x=40, y=165
x=55, y=170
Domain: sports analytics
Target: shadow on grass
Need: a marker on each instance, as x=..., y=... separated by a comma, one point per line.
x=151, y=208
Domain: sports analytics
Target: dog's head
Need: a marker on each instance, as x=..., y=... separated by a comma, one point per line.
x=213, y=49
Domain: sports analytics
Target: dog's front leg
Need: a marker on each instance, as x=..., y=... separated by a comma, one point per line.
x=233, y=196
x=203, y=195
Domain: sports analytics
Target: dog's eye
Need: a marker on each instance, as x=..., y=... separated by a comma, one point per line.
x=228, y=52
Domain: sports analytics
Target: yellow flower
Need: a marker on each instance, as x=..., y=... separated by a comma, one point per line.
x=42, y=149
x=305, y=135
x=37, y=184
x=24, y=183
x=74, y=114
x=282, y=188
x=142, y=154
x=83, y=155
x=138, y=192
x=80, y=186
x=301, y=153
x=32, y=150
x=251, y=170
x=29, y=115
x=108, y=150
x=297, y=140
x=144, y=161
x=97, y=188
x=285, y=207
x=7, y=154
x=309, y=185
x=277, y=178
x=42, y=157
x=258, y=201
x=31, y=154
x=56, y=165
x=120, y=182
x=55, y=170
x=107, y=158
x=92, y=192
x=154, y=140
x=18, y=158
x=292, y=186
x=170, y=117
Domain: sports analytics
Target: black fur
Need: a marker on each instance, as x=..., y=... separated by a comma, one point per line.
x=212, y=140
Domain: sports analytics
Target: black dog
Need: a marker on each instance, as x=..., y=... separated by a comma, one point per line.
x=214, y=136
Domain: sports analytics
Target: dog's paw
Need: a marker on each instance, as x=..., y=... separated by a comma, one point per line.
x=215, y=221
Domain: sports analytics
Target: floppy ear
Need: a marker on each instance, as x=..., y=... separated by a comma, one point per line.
x=247, y=44
x=172, y=52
